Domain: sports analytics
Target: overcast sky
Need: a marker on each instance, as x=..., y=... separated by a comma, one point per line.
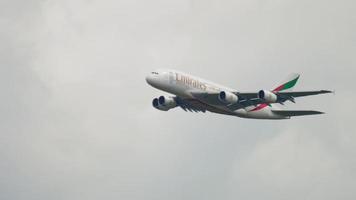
x=76, y=120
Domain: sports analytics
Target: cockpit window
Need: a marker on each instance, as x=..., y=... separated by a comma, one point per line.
x=154, y=73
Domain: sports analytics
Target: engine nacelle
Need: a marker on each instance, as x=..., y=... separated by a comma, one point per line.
x=228, y=97
x=268, y=96
x=164, y=103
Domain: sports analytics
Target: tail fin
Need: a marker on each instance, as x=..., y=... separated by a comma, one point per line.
x=289, y=83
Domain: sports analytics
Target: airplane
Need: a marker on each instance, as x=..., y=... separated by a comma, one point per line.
x=198, y=95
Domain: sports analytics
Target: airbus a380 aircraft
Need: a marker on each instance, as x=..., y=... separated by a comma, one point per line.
x=196, y=94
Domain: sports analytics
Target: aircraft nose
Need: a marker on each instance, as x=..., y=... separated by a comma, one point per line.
x=149, y=79
x=153, y=79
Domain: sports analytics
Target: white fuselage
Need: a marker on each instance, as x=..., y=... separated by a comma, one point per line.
x=185, y=86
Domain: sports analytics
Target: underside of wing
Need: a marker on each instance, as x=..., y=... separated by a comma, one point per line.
x=292, y=113
x=190, y=105
x=210, y=98
x=252, y=98
x=245, y=100
x=199, y=106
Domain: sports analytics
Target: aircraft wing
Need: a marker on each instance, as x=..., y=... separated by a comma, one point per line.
x=209, y=98
x=213, y=100
x=190, y=105
x=251, y=98
x=286, y=94
x=302, y=94
x=194, y=105
x=282, y=96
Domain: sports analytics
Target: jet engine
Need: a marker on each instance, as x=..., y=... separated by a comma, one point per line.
x=164, y=103
x=228, y=97
x=268, y=96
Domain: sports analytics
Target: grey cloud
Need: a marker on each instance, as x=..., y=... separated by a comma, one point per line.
x=76, y=115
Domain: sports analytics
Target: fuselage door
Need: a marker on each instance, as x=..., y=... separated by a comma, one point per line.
x=171, y=78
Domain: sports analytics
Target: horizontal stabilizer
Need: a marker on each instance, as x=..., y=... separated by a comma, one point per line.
x=292, y=113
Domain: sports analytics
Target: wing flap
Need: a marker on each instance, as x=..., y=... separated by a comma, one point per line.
x=292, y=113
x=190, y=105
